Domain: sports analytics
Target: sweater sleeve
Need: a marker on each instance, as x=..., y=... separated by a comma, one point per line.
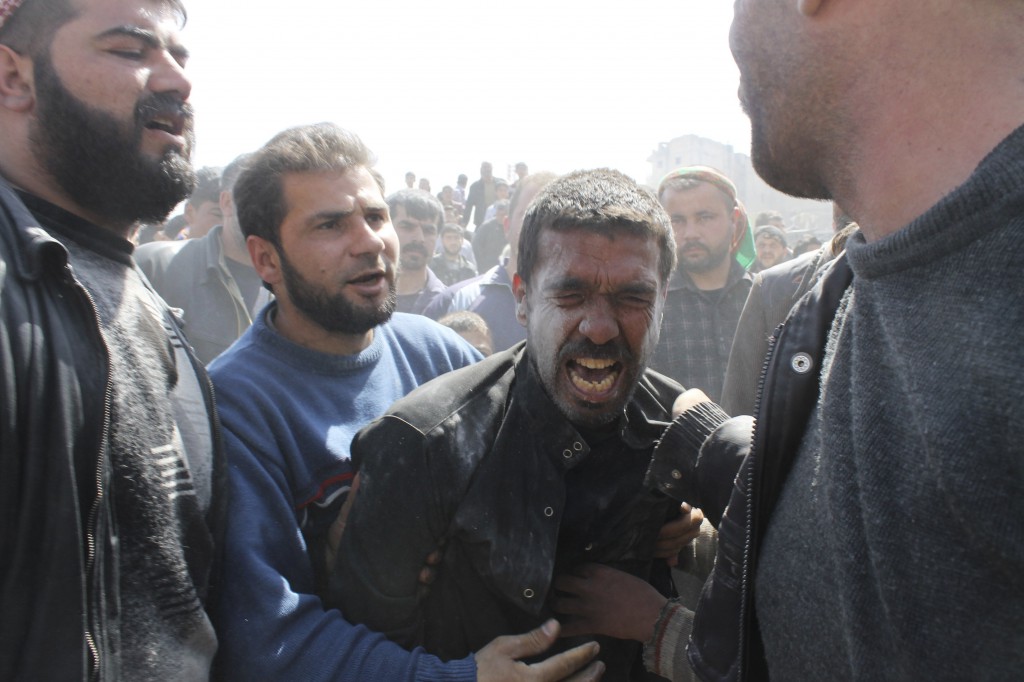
x=271, y=624
x=665, y=651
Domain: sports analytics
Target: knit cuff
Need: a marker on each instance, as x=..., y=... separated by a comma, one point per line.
x=665, y=651
x=689, y=430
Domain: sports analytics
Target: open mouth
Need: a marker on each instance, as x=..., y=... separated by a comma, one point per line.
x=593, y=376
x=168, y=123
x=368, y=278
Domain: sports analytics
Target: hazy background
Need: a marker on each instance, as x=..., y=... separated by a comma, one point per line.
x=437, y=88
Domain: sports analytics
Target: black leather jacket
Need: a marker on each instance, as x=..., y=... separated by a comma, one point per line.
x=59, y=573
x=477, y=460
x=725, y=643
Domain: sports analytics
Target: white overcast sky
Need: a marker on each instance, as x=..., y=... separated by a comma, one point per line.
x=437, y=87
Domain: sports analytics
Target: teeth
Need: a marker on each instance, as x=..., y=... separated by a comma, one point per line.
x=595, y=363
x=593, y=386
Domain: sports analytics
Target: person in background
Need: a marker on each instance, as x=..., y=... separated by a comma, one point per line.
x=709, y=286
x=418, y=217
x=471, y=327
x=210, y=279
x=450, y=265
x=771, y=246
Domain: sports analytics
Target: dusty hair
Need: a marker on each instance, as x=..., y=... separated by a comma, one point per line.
x=602, y=201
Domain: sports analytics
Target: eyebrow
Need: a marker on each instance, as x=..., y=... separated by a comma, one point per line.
x=322, y=216
x=145, y=36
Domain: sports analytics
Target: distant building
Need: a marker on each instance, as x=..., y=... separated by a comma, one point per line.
x=801, y=215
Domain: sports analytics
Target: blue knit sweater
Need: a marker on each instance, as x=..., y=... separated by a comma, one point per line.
x=289, y=415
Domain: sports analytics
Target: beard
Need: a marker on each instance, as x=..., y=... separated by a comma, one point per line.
x=97, y=160
x=414, y=256
x=712, y=257
x=792, y=133
x=335, y=312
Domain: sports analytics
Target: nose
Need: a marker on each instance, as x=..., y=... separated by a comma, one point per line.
x=168, y=75
x=599, y=324
x=368, y=239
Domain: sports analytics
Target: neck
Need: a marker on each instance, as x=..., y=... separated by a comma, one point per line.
x=411, y=281
x=32, y=179
x=300, y=330
x=712, y=280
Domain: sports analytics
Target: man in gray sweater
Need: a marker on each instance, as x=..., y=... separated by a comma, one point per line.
x=884, y=535
x=876, y=529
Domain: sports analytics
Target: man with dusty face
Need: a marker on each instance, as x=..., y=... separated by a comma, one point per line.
x=592, y=306
x=548, y=441
x=592, y=312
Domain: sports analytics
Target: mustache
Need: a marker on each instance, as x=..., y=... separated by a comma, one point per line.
x=613, y=350
x=415, y=247
x=164, y=104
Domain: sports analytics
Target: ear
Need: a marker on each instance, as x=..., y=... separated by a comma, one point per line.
x=265, y=259
x=227, y=203
x=809, y=7
x=17, y=90
x=519, y=291
x=741, y=229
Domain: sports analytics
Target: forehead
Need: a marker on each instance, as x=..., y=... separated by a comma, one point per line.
x=428, y=215
x=98, y=16
x=702, y=197
x=324, y=191
x=586, y=257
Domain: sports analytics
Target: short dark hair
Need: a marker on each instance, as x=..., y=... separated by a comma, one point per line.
x=766, y=217
x=33, y=24
x=207, y=186
x=465, y=321
x=418, y=204
x=232, y=171
x=452, y=227
x=602, y=201
x=259, y=192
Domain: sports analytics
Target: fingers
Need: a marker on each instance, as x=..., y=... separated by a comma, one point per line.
x=567, y=663
x=426, y=576
x=532, y=643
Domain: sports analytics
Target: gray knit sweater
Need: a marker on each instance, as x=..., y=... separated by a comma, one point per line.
x=897, y=548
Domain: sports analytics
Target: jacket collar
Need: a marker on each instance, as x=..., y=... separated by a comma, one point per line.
x=213, y=254
x=35, y=250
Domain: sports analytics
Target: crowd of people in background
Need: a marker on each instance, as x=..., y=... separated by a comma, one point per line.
x=550, y=427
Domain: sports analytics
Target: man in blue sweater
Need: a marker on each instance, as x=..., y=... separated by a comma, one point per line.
x=325, y=358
